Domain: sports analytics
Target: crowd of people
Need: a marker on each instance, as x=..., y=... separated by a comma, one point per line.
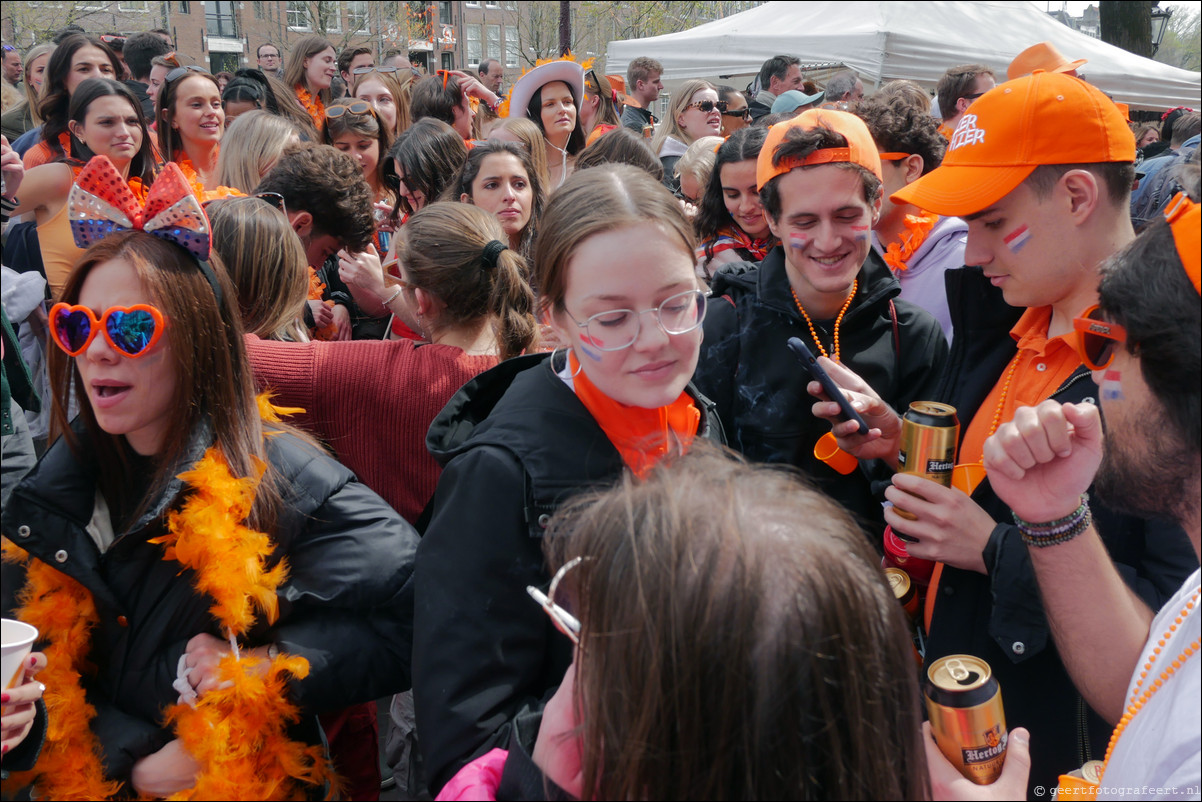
x=329, y=382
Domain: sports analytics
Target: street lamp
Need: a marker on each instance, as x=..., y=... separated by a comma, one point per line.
x=1160, y=24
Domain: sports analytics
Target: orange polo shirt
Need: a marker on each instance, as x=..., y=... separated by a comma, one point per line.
x=1042, y=366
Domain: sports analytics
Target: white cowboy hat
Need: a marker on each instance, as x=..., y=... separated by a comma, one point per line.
x=569, y=72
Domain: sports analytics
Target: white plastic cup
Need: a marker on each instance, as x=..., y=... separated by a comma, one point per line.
x=18, y=638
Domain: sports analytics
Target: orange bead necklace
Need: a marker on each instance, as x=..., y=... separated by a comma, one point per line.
x=838, y=320
x=1001, y=402
x=1138, y=699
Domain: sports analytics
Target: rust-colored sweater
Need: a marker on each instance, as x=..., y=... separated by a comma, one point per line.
x=372, y=402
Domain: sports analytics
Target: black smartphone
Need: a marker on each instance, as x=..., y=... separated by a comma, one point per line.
x=828, y=384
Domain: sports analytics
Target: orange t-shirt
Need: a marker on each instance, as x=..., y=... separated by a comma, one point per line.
x=1043, y=365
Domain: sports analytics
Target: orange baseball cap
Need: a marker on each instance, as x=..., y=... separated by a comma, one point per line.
x=1185, y=221
x=861, y=149
x=1043, y=56
x=1044, y=118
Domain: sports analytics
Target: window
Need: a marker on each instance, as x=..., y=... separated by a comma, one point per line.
x=470, y=4
x=492, y=4
x=472, y=34
x=220, y=19
x=511, y=46
x=298, y=15
x=258, y=9
x=444, y=14
x=511, y=6
x=357, y=16
x=493, y=42
x=183, y=7
x=330, y=15
x=133, y=5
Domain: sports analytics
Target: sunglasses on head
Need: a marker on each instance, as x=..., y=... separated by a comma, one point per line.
x=10, y=49
x=180, y=72
x=366, y=70
x=707, y=106
x=132, y=331
x=354, y=107
x=1097, y=339
x=110, y=39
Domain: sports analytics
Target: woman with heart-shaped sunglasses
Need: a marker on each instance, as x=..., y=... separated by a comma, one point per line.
x=173, y=474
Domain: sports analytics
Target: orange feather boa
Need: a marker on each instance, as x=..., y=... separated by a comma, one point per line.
x=237, y=733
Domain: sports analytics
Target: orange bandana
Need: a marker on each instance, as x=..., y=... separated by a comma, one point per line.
x=642, y=436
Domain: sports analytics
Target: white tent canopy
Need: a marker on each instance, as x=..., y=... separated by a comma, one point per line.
x=917, y=40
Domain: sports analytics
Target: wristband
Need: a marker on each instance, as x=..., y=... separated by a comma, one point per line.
x=496, y=104
x=392, y=297
x=1061, y=530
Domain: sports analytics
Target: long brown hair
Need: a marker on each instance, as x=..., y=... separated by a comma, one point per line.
x=214, y=382
x=443, y=254
x=305, y=48
x=738, y=641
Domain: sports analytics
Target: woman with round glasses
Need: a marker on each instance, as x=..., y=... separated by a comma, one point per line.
x=523, y=438
x=695, y=112
x=205, y=579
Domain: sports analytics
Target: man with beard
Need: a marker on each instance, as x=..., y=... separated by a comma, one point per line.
x=1137, y=667
x=1043, y=216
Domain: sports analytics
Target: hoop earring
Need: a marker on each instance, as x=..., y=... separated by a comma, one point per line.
x=579, y=364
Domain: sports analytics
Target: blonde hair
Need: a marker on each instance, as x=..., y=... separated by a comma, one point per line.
x=251, y=146
x=698, y=160
x=668, y=127
x=532, y=137
x=399, y=89
x=594, y=201
x=32, y=96
x=443, y=254
x=10, y=96
x=267, y=264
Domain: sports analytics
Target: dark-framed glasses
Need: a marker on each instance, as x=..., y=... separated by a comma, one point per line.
x=620, y=328
x=706, y=106
x=1097, y=339
x=564, y=621
x=744, y=112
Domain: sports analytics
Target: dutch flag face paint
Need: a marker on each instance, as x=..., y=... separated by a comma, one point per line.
x=1112, y=386
x=586, y=341
x=1017, y=239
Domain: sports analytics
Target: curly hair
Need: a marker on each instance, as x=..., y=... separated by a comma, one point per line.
x=328, y=184
x=712, y=216
x=899, y=127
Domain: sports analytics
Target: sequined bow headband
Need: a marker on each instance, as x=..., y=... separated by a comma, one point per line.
x=101, y=203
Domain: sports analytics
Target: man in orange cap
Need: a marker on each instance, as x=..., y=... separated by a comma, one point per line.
x=819, y=177
x=1043, y=56
x=1041, y=169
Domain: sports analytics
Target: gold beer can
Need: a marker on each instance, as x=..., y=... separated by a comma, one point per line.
x=964, y=705
x=929, y=435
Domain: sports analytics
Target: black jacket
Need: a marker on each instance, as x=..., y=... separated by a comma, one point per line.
x=346, y=605
x=998, y=617
x=516, y=443
x=759, y=386
x=635, y=118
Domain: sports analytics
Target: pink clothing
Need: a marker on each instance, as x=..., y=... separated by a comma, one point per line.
x=478, y=780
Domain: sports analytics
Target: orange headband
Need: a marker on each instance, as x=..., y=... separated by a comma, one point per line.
x=1185, y=219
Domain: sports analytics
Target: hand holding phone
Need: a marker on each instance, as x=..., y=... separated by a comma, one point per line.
x=832, y=390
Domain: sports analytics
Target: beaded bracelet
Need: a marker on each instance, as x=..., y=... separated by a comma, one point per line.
x=1061, y=530
x=392, y=297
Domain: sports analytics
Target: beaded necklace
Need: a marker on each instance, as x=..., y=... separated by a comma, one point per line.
x=1001, y=402
x=813, y=333
x=1139, y=700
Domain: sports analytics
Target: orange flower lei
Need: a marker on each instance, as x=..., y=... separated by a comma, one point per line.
x=198, y=187
x=313, y=105
x=897, y=254
x=238, y=733
x=316, y=288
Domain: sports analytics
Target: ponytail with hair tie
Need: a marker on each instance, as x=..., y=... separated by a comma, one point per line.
x=491, y=251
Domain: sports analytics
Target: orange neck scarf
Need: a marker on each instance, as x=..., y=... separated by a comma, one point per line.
x=918, y=226
x=642, y=436
x=313, y=105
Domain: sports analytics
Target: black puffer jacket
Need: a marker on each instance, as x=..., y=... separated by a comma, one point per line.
x=516, y=444
x=998, y=616
x=759, y=386
x=346, y=606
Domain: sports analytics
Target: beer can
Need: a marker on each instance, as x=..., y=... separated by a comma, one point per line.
x=930, y=432
x=904, y=590
x=648, y=130
x=964, y=705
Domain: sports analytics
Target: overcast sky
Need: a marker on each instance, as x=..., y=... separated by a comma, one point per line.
x=1075, y=8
